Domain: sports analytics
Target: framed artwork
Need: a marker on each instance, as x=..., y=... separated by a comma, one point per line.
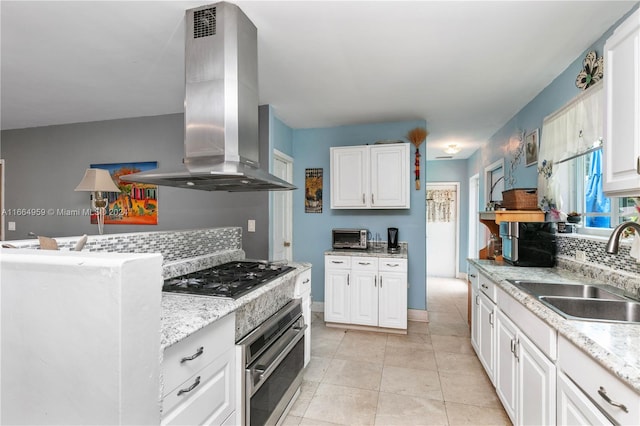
x=137, y=203
x=313, y=190
x=531, y=148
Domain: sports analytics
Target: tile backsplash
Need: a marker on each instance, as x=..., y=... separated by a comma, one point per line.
x=173, y=245
x=620, y=270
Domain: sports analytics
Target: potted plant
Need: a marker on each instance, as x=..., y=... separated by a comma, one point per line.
x=574, y=217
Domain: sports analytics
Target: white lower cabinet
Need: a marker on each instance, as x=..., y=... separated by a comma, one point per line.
x=506, y=365
x=536, y=385
x=523, y=374
x=603, y=392
x=483, y=332
x=574, y=408
x=366, y=291
x=525, y=377
x=199, y=376
x=486, y=333
x=392, y=300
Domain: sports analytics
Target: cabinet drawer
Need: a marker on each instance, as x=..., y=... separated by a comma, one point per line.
x=541, y=334
x=594, y=380
x=390, y=264
x=210, y=402
x=364, y=264
x=213, y=339
x=473, y=277
x=487, y=287
x=337, y=262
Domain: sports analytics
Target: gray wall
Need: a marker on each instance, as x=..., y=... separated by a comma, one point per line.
x=43, y=165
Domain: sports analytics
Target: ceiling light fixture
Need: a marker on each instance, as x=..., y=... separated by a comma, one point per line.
x=452, y=149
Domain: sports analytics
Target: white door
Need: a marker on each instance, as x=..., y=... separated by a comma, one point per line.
x=282, y=236
x=442, y=229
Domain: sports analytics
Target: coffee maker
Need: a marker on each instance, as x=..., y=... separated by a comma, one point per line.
x=392, y=240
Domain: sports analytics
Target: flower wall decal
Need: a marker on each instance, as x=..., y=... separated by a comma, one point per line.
x=592, y=72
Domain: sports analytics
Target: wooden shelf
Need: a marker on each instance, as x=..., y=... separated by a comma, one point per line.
x=512, y=216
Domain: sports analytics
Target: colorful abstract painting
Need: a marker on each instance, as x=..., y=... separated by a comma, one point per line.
x=313, y=190
x=137, y=203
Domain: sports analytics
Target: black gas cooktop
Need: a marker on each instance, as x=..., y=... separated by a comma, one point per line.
x=230, y=280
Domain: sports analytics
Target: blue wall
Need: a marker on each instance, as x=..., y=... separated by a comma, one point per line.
x=557, y=94
x=312, y=231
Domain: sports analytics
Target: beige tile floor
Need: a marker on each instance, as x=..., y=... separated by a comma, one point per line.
x=431, y=376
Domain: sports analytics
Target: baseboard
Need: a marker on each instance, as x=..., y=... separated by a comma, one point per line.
x=417, y=315
x=317, y=306
x=412, y=314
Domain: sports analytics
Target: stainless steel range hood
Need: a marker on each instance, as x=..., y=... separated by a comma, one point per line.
x=221, y=107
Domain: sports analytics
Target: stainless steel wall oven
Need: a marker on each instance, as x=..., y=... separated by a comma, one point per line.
x=273, y=357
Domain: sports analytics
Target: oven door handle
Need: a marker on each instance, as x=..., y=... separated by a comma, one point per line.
x=267, y=363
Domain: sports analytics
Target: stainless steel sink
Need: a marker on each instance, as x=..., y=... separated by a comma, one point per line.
x=538, y=288
x=594, y=309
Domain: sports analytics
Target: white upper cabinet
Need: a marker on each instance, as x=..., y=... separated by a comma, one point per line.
x=370, y=177
x=621, y=166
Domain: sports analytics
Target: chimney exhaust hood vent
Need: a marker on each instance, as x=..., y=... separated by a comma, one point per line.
x=221, y=107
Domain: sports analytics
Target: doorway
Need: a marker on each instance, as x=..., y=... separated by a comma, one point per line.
x=474, y=208
x=443, y=229
x=2, y=224
x=282, y=219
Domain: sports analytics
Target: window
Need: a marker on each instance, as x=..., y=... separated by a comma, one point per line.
x=585, y=196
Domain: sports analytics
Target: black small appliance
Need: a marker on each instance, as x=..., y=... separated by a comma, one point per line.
x=392, y=240
x=529, y=243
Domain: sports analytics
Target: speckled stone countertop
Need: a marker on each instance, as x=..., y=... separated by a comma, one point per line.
x=403, y=253
x=183, y=314
x=613, y=345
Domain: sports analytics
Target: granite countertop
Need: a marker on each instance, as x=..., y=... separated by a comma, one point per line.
x=184, y=314
x=370, y=252
x=613, y=345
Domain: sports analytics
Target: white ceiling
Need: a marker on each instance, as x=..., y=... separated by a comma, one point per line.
x=464, y=67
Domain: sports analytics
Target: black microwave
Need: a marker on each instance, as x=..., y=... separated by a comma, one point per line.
x=529, y=243
x=349, y=239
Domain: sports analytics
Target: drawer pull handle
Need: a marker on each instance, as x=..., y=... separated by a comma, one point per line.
x=306, y=281
x=337, y=261
x=484, y=286
x=393, y=265
x=472, y=275
x=603, y=393
x=364, y=263
x=199, y=352
x=190, y=388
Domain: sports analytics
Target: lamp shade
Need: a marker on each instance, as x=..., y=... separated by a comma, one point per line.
x=97, y=180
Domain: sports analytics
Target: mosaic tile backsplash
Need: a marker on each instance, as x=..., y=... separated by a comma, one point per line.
x=620, y=270
x=174, y=245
